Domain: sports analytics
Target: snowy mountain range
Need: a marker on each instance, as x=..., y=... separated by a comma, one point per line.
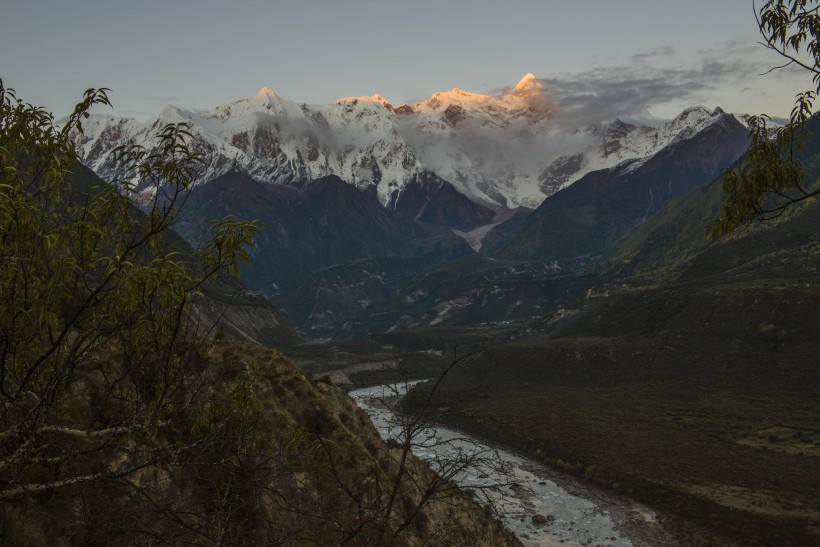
x=500, y=151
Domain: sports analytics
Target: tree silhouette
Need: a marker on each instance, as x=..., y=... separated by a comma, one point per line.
x=96, y=339
x=771, y=178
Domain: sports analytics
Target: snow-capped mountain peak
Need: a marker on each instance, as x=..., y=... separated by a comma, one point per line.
x=442, y=100
x=265, y=92
x=529, y=94
x=172, y=114
x=375, y=98
x=529, y=88
x=499, y=150
x=529, y=81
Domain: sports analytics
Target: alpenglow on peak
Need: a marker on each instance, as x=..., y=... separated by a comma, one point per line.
x=529, y=87
x=265, y=92
x=527, y=81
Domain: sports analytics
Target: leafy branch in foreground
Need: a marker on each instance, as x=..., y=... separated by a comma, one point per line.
x=96, y=344
x=412, y=488
x=771, y=178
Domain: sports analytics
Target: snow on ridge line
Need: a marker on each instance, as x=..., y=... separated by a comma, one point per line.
x=496, y=150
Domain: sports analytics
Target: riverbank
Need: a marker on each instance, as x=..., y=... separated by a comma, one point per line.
x=541, y=505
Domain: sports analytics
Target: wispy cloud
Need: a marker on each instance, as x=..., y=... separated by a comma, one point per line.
x=655, y=79
x=664, y=51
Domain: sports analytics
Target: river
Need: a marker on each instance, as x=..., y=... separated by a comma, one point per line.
x=519, y=487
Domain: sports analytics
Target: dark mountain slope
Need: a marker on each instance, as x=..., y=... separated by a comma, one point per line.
x=329, y=302
x=476, y=290
x=224, y=304
x=329, y=222
x=670, y=240
x=501, y=234
x=432, y=200
x=328, y=251
x=585, y=219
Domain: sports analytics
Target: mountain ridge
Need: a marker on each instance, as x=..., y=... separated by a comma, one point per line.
x=499, y=151
x=587, y=217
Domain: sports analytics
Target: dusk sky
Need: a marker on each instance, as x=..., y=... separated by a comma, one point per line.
x=598, y=58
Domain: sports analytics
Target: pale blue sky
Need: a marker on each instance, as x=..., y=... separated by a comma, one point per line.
x=600, y=55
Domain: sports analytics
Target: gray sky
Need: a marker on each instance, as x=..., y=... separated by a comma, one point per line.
x=597, y=56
